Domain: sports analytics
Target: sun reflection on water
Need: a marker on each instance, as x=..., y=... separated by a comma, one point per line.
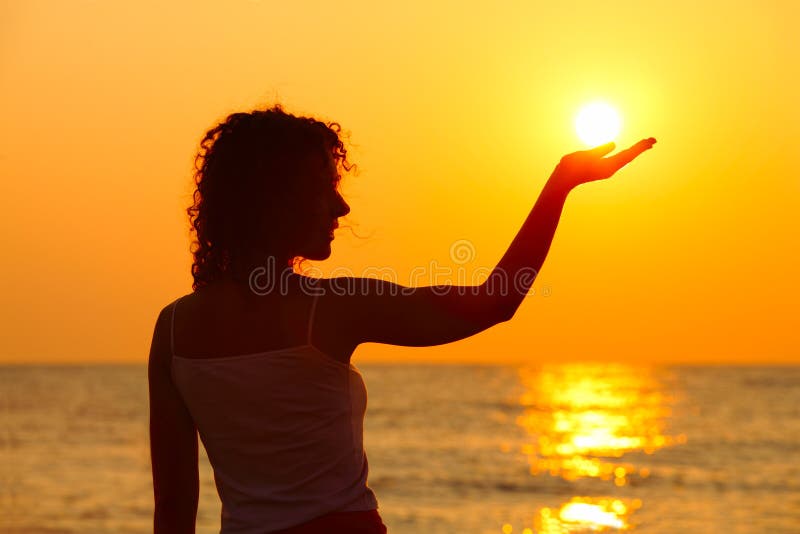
x=585, y=514
x=581, y=419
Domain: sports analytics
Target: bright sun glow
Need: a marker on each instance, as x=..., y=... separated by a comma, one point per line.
x=597, y=123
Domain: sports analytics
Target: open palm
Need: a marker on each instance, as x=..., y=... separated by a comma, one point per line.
x=591, y=165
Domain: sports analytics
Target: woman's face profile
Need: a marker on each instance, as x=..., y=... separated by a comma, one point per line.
x=327, y=206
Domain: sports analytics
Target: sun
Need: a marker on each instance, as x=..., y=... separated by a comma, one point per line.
x=597, y=123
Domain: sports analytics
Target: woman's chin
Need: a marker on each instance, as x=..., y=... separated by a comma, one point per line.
x=320, y=252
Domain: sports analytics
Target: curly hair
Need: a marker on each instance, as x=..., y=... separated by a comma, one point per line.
x=251, y=176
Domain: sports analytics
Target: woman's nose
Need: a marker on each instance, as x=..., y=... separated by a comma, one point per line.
x=343, y=207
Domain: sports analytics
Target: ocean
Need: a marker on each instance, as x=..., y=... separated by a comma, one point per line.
x=566, y=448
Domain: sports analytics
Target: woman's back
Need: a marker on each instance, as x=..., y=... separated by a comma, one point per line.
x=283, y=427
x=225, y=318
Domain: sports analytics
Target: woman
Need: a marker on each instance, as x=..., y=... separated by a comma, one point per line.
x=256, y=360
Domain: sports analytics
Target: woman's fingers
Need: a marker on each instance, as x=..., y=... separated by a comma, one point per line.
x=601, y=150
x=621, y=159
x=590, y=165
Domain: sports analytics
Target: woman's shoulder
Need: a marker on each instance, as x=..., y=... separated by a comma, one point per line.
x=356, y=286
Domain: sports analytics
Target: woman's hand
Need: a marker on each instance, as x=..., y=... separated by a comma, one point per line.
x=590, y=165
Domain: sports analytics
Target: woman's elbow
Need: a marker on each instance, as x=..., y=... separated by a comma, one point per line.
x=494, y=314
x=505, y=314
x=499, y=311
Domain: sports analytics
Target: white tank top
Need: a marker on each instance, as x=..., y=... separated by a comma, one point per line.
x=283, y=430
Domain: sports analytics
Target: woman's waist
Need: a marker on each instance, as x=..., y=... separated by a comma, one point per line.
x=253, y=516
x=354, y=522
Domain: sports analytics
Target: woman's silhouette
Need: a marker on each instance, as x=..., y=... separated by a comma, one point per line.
x=257, y=358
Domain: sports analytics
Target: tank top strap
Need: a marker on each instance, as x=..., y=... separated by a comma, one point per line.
x=172, y=328
x=314, y=299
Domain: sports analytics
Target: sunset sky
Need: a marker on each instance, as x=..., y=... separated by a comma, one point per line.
x=457, y=116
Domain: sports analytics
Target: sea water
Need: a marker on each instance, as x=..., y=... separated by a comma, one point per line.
x=563, y=448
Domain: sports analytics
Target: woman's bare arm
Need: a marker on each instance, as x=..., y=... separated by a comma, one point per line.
x=383, y=312
x=524, y=258
x=173, y=442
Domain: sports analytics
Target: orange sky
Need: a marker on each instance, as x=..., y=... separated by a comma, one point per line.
x=457, y=117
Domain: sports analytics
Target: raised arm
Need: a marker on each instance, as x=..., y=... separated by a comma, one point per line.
x=524, y=258
x=173, y=443
x=368, y=310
